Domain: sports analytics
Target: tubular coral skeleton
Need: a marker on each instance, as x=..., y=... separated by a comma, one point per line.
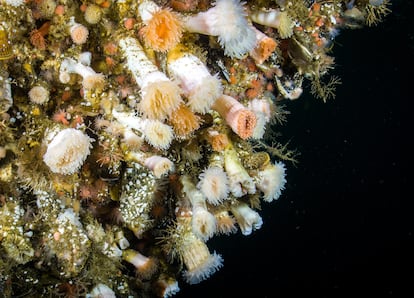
x=145, y=266
x=265, y=46
x=240, y=183
x=199, y=261
x=159, y=95
x=159, y=165
x=247, y=219
x=227, y=20
x=241, y=120
x=155, y=132
x=276, y=19
x=203, y=222
x=195, y=80
x=194, y=253
x=91, y=79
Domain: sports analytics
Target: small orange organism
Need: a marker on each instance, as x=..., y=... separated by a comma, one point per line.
x=60, y=117
x=37, y=36
x=163, y=30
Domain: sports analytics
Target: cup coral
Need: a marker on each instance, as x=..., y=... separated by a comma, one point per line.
x=66, y=150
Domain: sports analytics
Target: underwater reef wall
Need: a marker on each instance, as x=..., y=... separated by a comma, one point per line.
x=132, y=132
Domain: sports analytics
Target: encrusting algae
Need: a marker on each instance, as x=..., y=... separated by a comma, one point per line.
x=133, y=131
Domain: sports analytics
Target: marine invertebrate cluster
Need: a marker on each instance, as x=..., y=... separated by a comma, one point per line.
x=131, y=132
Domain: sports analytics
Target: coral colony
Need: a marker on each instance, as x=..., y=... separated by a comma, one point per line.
x=133, y=131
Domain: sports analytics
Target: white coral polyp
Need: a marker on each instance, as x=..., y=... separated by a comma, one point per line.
x=235, y=34
x=271, y=181
x=247, y=219
x=227, y=19
x=67, y=151
x=212, y=263
x=214, y=185
x=196, y=82
x=204, y=223
x=14, y=3
x=101, y=290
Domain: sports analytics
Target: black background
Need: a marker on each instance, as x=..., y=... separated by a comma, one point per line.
x=343, y=225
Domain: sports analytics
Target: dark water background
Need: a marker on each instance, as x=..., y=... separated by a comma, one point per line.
x=344, y=225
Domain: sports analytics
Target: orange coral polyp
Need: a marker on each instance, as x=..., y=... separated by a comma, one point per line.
x=184, y=121
x=163, y=31
x=37, y=36
x=218, y=141
x=263, y=50
x=241, y=120
x=246, y=122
